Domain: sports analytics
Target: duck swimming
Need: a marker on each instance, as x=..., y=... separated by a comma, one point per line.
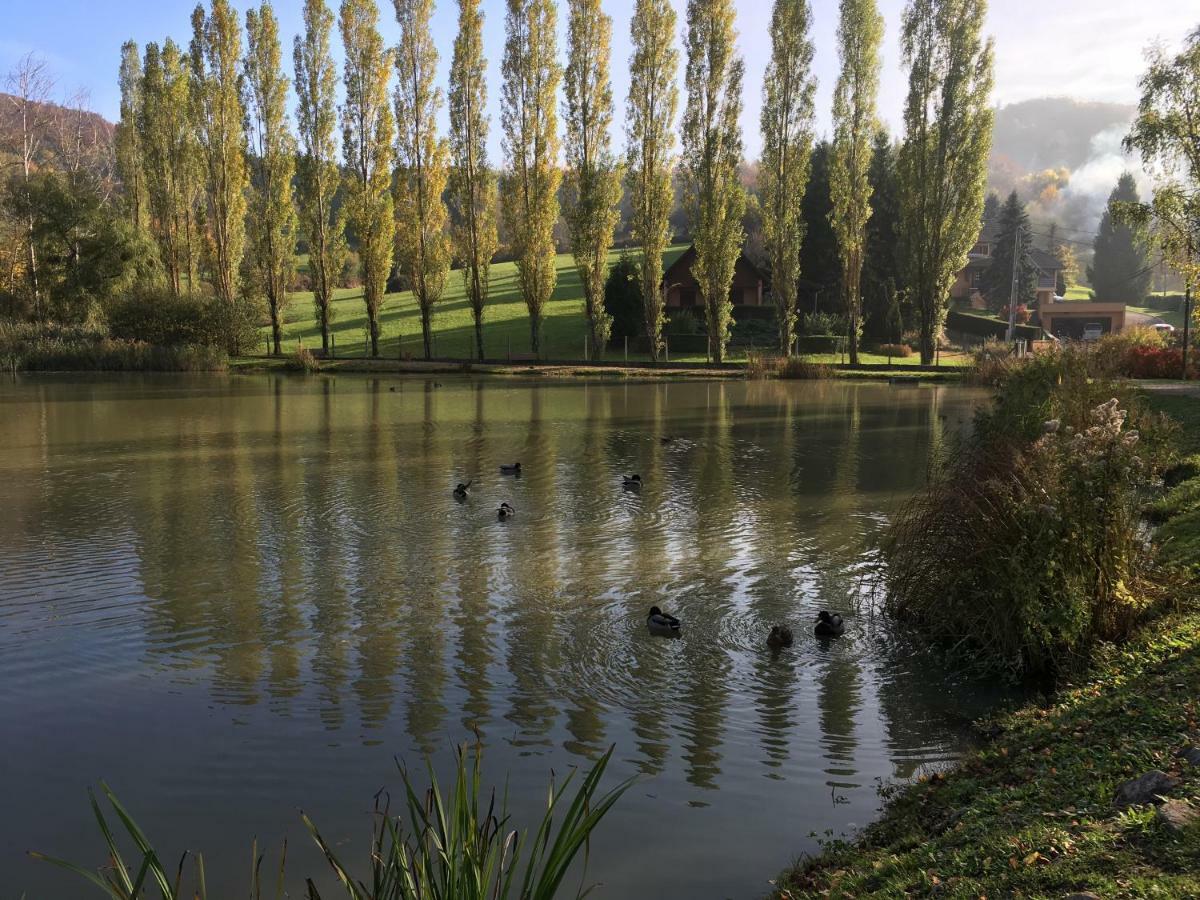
x=460, y=492
x=829, y=625
x=511, y=468
x=631, y=482
x=660, y=623
x=505, y=512
x=780, y=636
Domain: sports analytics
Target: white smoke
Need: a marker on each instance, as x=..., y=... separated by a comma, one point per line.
x=1086, y=193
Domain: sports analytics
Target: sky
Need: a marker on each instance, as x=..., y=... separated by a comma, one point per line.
x=1086, y=49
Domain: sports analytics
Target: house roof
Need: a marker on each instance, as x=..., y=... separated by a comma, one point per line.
x=685, y=260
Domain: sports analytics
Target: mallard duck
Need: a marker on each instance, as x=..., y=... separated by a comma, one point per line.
x=631, y=482
x=511, y=468
x=660, y=623
x=780, y=636
x=505, y=512
x=829, y=625
x=460, y=491
x=668, y=439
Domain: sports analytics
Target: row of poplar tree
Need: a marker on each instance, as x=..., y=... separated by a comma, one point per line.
x=204, y=147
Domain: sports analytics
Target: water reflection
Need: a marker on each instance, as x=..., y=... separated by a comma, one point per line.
x=289, y=550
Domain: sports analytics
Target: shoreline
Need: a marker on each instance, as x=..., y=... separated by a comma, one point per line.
x=1030, y=811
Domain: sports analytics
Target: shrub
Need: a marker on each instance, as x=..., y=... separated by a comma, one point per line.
x=754, y=332
x=902, y=351
x=1026, y=548
x=1156, y=362
x=762, y=365
x=1120, y=352
x=623, y=298
x=992, y=362
x=681, y=323
x=55, y=348
x=823, y=323
x=1022, y=314
x=155, y=316
x=304, y=361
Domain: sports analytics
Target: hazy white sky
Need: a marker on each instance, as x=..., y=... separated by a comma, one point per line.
x=1089, y=49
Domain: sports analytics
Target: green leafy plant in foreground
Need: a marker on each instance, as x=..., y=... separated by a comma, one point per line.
x=455, y=846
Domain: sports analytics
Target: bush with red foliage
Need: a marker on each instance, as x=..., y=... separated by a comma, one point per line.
x=1156, y=362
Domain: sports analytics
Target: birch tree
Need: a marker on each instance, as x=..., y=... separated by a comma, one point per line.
x=423, y=247
x=593, y=175
x=943, y=161
x=855, y=123
x=367, y=146
x=787, y=131
x=219, y=116
x=29, y=86
x=712, y=152
x=316, y=168
x=650, y=150
x=472, y=184
x=528, y=113
x=272, y=207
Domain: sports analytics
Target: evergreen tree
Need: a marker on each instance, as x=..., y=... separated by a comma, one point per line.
x=127, y=141
x=1120, y=271
x=219, y=116
x=650, y=129
x=317, y=175
x=991, y=208
x=712, y=153
x=948, y=121
x=367, y=147
x=820, y=264
x=422, y=242
x=787, y=130
x=472, y=184
x=881, y=264
x=593, y=175
x=530, y=195
x=860, y=32
x=1014, y=241
x=273, y=162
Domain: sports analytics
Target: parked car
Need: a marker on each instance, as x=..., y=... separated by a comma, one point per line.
x=1163, y=328
x=1093, y=331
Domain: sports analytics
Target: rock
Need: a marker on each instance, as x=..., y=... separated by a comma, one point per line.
x=1191, y=755
x=1082, y=895
x=1145, y=789
x=1176, y=815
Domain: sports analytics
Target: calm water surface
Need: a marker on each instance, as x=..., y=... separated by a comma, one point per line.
x=233, y=598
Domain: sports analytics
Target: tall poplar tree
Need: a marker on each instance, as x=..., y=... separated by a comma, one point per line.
x=273, y=161
x=423, y=247
x=170, y=162
x=127, y=139
x=650, y=141
x=860, y=32
x=219, y=116
x=712, y=152
x=317, y=169
x=367, y=147
x=943, y=161
x=532, y=177
x=787, y=132
x=592, y=170
x=472, y=183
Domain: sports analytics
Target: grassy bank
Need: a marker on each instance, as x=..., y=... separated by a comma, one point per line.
x=1031, y=812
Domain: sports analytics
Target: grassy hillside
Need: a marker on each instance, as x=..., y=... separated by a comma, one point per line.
x=505, y=319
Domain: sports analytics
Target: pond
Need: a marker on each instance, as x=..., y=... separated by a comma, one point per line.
x=233, y=598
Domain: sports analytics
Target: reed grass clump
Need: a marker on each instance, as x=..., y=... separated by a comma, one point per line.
x=1026, y=548
x=459, y=844
x=70, y=348
x=304, y=360
x=763, y=365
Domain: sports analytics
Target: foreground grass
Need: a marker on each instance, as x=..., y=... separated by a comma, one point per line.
x=1030, y=814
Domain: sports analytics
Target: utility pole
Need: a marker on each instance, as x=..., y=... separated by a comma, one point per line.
x=1012, y=295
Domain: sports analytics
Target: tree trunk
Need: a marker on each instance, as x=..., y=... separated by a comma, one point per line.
x=427, y=332
x=276, y=331
x=479, y=334
x=854, y=338
x=375, y=333
x=535, y=344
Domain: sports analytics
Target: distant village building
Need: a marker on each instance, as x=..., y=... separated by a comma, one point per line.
x=1065, y=319
x=683, y=291
x=966, y=286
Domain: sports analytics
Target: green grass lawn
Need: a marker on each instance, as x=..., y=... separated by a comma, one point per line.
x=1078, y=292
x=1170, y=316
x=505, y=318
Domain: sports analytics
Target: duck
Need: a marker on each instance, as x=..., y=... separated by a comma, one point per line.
x=505, y=512
x=511, y=468
x=668, y=439
x=631, y=482
x=460, y=491
x=780, y=636
x=660, y=623
x=829, y=625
